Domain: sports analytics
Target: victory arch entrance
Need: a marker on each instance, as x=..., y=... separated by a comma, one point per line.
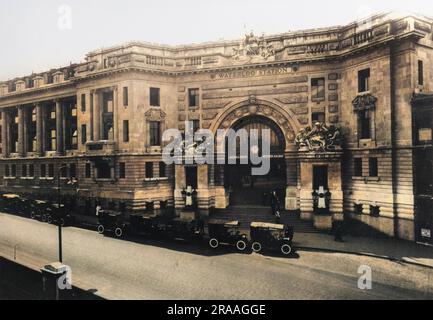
x=246, y=189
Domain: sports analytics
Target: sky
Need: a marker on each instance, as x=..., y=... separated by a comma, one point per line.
x=37, y=35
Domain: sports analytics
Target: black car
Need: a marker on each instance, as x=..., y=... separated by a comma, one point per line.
x=226, y=233
x=112, y=221
x=182, y=228
x=143, y=224
x=40, y=209
x=271, y=236
x=14, y=204
x=56, y=213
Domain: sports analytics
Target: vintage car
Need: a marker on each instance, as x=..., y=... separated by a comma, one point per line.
x=14, y=203
x=271, y=236
x=226, y=233
x=40, y=209
x=112, y=221
x=181, y=228
x=56, y=214
x=143, y=224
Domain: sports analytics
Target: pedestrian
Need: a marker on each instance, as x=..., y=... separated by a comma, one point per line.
x=98, y=209
x=277, y=217
x=338, y=232
x=273, y=202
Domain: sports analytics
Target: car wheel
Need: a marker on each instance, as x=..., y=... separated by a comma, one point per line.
x=257, y=247
x=213, y=243
x=118, y=232
x=101, y=229
x=32, y=215
x=241, y=245
x=49, y=219
x=286, y=249
x=44, y=218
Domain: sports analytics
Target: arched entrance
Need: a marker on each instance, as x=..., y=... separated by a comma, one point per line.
x=245, y=188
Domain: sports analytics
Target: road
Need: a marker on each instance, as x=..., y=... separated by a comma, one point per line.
x=156, y=269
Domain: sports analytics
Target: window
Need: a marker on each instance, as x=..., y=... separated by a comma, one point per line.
x=193, y=97
x=364, y=124
x=24, y=170
x=318, y=117
x=155, y=133
x=31, y=170
x=83, y=103
x=357, y=167
x=103, y=170
x=74, y=140
x=122, y=170
x=195, y=125
x=374, y=210
x=125, y=96
x=13, y=170
x=162, y=170
x=149, y=170
x=72, y=170
x=51, y=170
x=107, y=116
x=63, y=171
x=420, y=73
x=320, y=177
x=364, y=80
x=125, y=131
x=154, y=97
x=358, y=208
x=83, y=134
x=88, y=171
x=53, y=141
x=318, y=89
x=373, y=169
x=43, y=170
x=7, y=171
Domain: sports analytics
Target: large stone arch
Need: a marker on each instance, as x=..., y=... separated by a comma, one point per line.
x=251, y=107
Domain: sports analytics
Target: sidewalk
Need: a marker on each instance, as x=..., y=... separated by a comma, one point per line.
x=400, y=250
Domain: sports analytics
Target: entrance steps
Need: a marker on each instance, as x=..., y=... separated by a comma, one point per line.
x=247, y=214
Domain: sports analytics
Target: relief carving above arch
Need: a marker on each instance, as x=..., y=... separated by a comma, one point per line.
x=253, y=107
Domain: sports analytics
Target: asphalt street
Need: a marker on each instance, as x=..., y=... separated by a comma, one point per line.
x=161, y=269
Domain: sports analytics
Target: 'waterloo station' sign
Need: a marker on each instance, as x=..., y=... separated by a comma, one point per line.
x=250, y=73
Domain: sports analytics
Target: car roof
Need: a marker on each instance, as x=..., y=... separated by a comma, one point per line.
x=265, y=225
x=228, y=223
x=11, y=196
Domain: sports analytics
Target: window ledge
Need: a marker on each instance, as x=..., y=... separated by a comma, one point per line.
x=46, y=178
x=156, y=179
x=105, y=180
x=366, y=179
x=27, y=178
x=9, y=178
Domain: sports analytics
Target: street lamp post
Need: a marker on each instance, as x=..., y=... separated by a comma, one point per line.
x=60, y=217
x=59, y=220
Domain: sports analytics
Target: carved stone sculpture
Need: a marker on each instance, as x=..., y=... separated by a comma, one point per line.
x=320, y=138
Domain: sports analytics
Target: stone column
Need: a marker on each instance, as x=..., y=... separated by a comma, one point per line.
x=221, y=196
x=5, y=140
x=39, y=130
x=21, y=132
x=96, y=117
x=292, y=193
x=203, y=192
x=180, y=184
x=59, y=127
x=116, y=125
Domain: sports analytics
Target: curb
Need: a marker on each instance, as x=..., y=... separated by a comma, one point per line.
x=364, y=254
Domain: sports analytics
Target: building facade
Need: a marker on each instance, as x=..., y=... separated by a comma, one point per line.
x=94, y=129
